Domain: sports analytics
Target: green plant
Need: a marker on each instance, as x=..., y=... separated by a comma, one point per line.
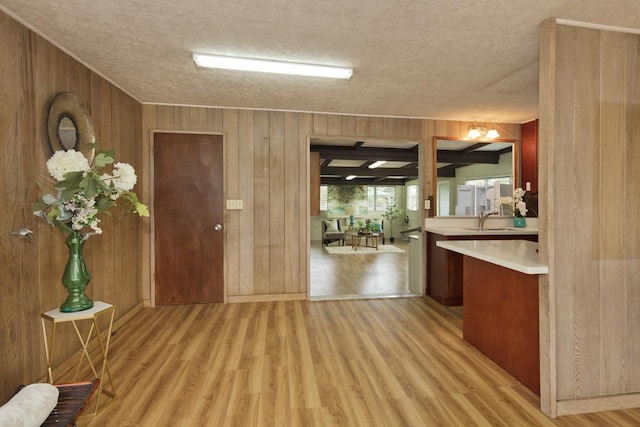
x=391, y=214
x=360, y=224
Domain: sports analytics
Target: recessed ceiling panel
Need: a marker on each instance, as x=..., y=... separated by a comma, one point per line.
x=390, y=144
x=335, y=142
x=346, y=163
x=393, y=165
x=445, y=144
x=496, y=146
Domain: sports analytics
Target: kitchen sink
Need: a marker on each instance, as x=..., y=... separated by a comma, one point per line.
x=492, y=229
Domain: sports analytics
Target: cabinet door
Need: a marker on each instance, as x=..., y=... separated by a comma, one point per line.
x=529, y=156
x=314, y=184
x=454, y=293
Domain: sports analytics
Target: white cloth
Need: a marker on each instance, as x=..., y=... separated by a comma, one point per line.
x=30, y=406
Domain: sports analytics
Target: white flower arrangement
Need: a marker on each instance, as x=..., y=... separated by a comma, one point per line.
x=84, y=191
x=516, y=203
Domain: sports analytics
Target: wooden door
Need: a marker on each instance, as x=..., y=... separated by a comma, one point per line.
x=188, y=214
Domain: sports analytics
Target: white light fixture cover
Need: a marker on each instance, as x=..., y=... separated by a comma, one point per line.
x=350, y=177
x=492, y=133
x=474, y=132
x=265, y=66
x=377, y=164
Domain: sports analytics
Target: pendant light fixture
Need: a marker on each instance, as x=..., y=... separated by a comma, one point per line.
x=483, y=131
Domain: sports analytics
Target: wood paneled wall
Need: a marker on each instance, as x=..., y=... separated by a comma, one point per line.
x=32, y=72
x=266, y=165
x=589, y=199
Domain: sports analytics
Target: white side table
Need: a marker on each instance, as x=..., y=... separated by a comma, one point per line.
x=56, y=317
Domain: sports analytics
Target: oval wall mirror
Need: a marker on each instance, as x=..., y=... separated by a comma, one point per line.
x=69, y=125
x=68, y=134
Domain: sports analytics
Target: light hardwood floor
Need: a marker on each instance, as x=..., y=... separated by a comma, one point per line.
x=372, y=362
x=346, y=276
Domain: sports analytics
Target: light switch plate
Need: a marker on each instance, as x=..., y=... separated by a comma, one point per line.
x=427, y=204
x=233, y=204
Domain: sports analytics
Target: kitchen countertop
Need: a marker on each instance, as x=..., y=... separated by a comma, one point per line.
x=486, y=231
x=518, y=255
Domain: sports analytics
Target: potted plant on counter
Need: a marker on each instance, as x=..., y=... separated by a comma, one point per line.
x=517, y=206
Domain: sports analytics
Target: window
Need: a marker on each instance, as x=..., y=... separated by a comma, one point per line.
x=323, y=197
x=412, y=197
x=377, y=197
x=488, y=182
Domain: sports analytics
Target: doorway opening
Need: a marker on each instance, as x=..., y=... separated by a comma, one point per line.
x=369, y=212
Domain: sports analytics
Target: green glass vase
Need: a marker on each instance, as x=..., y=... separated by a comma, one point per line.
x=519, y=222
x=76, y=277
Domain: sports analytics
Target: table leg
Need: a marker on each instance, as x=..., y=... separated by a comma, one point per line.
x=48, y=347
x=84, y=343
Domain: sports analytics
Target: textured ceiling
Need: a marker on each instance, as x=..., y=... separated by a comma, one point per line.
x=460, y=60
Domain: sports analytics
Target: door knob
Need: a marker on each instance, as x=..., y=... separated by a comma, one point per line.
x=217, y=227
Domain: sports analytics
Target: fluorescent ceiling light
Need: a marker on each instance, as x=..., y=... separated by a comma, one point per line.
x=264, y=66
x=377, y=164
x=350, y=177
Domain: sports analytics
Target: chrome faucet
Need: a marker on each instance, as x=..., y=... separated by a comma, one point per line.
x=483, y=217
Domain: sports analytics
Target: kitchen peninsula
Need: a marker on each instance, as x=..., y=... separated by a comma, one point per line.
x=501, y=318
x=444, y=268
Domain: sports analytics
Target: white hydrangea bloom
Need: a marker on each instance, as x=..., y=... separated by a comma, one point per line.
x=63, y=162
x=78, y=203
x=124, y=177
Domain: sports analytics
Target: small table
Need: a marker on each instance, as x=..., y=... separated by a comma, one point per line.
x=370, y=240
x=55, y=316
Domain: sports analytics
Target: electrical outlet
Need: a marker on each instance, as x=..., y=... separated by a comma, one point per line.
x=527, y=186
x=427, y=204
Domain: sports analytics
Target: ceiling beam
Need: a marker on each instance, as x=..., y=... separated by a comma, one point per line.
x=368, y=154
x=363, y=181
x=449, y=171
x=360, y=171
x=488, y=157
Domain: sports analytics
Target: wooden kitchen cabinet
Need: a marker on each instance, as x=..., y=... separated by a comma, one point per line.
x=501, y=318
x=314, y=183
x=529, y=156
x=445, y=268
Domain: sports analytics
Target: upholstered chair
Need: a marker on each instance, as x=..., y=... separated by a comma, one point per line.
x=332, y=232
